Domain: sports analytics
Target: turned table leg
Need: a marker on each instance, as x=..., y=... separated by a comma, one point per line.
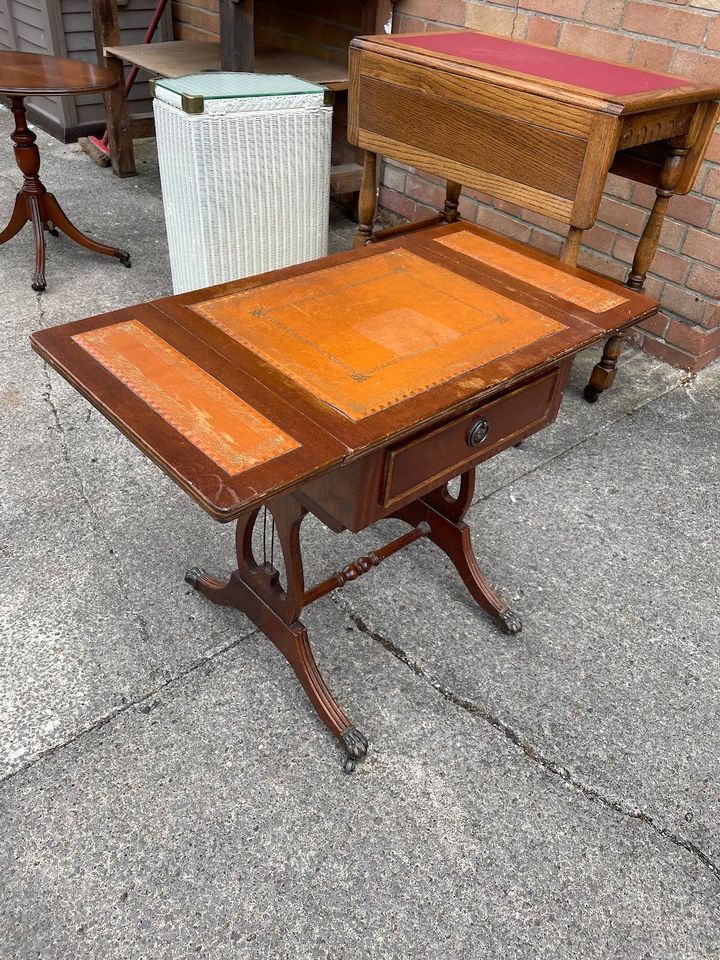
x=603, y=374
x=367, y=201
x=452, y=201
x=36, y=206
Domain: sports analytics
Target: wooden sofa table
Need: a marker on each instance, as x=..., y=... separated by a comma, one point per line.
x=354, y=388
x=528, y=124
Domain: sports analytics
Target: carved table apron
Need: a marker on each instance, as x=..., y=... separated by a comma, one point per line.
x=354, y=388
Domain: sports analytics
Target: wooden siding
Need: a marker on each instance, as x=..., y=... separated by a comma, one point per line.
x=63, y=28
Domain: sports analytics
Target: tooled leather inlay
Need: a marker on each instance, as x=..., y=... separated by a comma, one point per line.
x=367, y=334
x=214, y=419
x=541, y=275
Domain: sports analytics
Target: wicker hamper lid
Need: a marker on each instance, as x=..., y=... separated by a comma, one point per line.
x=274, y=90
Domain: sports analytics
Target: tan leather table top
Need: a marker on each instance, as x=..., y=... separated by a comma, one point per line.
x=242, y=391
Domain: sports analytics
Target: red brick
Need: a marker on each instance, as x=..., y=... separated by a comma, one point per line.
x=500, y=21
x=602, y=265
x=712, y=183
x=572, y=9
x=711, y=320
x=644, y=195
x=654, y=287
x=702, y=246
x=672, y=234
x=608, y=13
x=393, y=177
x=704, y=279
x=712, y=41
x=545, y=223
x=695, y=340
x=714, y=224
x=547, y=242
x=688, y=305
x=595, y=43
x=705, y=359
x=622, y=215
x=431, y=194
x=500, y=223
x=397, y=203
x=713, y=151
x=541, y=30
x=512, y=208
x=468, y=208
x=440, y=11
x=619, y=186
x=696, y=66
x=599, y=238
x=652, y=20
x=690, y=209
x=664, y=264
x=670, y=354
x=657, y=324
x=405, y=24
x=652, y=56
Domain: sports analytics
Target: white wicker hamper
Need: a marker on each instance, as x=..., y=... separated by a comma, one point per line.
x=245, y=170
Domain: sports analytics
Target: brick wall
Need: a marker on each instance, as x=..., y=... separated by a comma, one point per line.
x=674, y=36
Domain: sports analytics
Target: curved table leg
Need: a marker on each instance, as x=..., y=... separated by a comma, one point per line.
x=254, y=590
x=55, y=213
x=452, y=536
x=36, y=217
x=18, y=219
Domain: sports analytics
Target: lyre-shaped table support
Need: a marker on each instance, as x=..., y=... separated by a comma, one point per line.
x=255, y=588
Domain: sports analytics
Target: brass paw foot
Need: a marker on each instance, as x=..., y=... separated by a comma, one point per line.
x=356, y=747
x=38, y=282
x=509, y=622
x=124, y=258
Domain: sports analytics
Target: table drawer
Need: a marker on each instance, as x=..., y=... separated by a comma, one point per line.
x=427, y=460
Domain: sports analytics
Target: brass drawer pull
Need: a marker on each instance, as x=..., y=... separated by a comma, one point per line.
x=478, y=432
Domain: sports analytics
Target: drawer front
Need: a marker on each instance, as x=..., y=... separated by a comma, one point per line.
x=426, y=461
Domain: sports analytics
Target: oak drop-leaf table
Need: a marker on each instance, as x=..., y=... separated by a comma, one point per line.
x=355, y=388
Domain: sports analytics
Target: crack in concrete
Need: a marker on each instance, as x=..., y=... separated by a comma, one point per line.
x=96, y=522
x=108, y=717
x=484, y=713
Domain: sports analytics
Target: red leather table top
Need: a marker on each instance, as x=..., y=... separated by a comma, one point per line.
x=544, y=62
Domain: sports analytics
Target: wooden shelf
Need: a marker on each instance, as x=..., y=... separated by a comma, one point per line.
x=178, y=58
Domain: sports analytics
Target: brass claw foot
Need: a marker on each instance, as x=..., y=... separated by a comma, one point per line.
x=124, y=258
x=193, y=575
x=356, y=747
x=509, y=622
x=38, y=282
